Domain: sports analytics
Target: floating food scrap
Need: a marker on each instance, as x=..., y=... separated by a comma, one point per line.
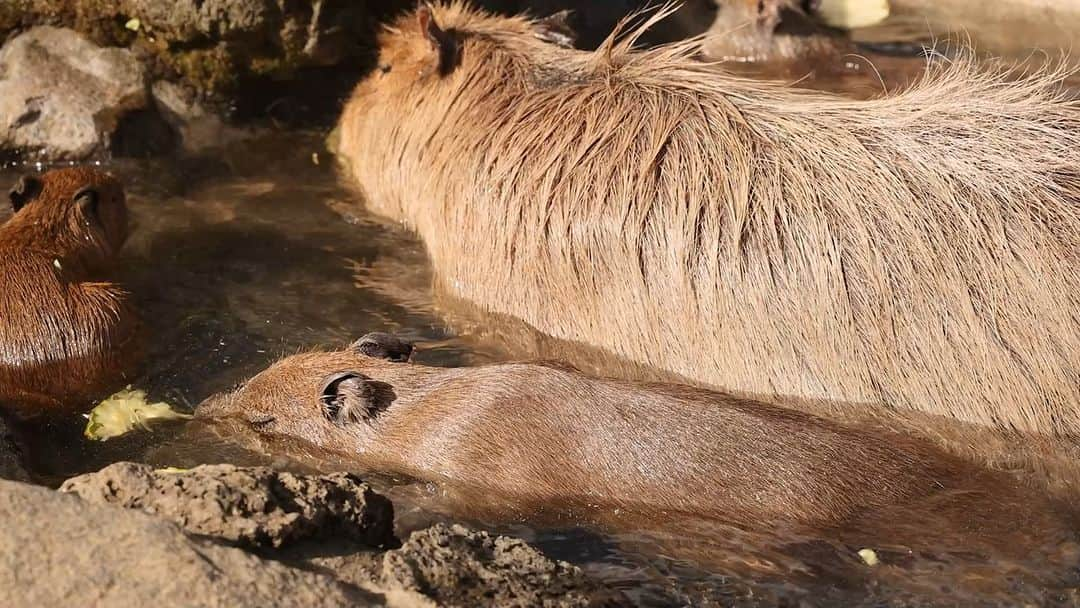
x=851, y=14
x=123, y=412
x=869, y=556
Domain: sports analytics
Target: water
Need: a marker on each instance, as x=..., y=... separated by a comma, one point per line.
x=262, y=251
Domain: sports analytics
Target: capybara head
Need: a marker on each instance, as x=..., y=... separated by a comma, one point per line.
x=66, y=328
x=326, y=399
x=434, y=42
x=80, y=209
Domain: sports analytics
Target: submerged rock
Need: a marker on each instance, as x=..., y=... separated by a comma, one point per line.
x=62, y=96
x=254, y=507
x=454, y=566
x=57, y=550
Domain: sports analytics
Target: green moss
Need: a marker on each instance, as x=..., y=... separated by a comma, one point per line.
x=212, y=70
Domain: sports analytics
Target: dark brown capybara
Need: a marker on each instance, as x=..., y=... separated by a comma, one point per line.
x=916, y=252
x=66, y=330
x=544, y=437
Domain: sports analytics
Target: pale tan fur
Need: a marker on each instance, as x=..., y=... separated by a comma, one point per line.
x=918, y=251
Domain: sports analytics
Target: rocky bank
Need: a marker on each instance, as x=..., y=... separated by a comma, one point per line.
x=220, y=535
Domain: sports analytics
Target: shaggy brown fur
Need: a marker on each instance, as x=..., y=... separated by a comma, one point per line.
x=548, y=437
x=64, y=328
x=919, y=251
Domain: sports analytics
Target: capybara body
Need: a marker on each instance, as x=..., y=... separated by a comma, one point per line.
x=545, y=436
x=65, y=329
x=917, y=251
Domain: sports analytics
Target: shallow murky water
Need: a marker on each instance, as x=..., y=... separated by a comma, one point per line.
x=262, y=251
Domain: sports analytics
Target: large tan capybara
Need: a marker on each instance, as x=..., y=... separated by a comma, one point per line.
x=66, y=330
x=545, y=436
x=918, y=251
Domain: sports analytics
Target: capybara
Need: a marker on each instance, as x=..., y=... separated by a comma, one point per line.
x=916, y=251
x=66, y=330
x=545, y=436
x=769, y=31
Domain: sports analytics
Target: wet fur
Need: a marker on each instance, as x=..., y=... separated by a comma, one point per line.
x=919, y=251
x=65, y=328
x=548, y=437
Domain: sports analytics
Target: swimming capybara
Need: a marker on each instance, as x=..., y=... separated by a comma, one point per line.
x=919, y=251
x=65, y=329
x=545, y=436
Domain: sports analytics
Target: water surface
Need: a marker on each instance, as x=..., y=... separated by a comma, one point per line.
x=261, y=251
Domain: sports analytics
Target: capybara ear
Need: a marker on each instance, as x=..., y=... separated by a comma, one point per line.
x=86, y=200
x=346, y=397
x=24, y=191
x=384, y=346
x=556, y=29
x=443, y=43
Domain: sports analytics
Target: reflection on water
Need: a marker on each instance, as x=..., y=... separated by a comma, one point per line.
x=262, y=251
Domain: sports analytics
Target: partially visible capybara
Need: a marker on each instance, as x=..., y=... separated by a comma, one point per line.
x=769, y=31
x=66, y=330
x=919, y=251
x=544, y=437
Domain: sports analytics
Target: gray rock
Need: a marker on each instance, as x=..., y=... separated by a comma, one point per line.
x=62, y=96
x=57, y=550
x=254, y=507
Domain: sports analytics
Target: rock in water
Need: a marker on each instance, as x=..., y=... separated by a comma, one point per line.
x=62, y=96
x=461, y=567
x=253, y=507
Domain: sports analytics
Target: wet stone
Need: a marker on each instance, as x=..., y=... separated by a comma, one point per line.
x=62, y=97
x=461, y=567
x=251, y=507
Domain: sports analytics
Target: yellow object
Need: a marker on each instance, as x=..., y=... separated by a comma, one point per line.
x=869, y=556
x=133, y=25
x=124, y=411
x=851, y=14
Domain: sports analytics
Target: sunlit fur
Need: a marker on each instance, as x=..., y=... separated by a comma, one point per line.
x=919, y=251
x=64, y=326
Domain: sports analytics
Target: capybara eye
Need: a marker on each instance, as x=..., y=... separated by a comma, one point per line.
x=24, y=191
x=380, y=345
x=385, y=68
